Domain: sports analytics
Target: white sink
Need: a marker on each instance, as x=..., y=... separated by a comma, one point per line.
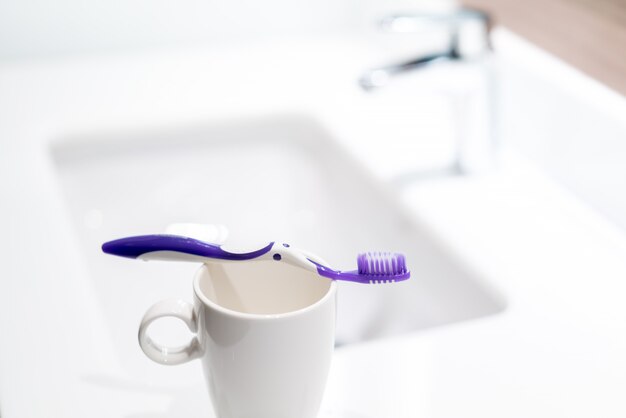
x=280, y=178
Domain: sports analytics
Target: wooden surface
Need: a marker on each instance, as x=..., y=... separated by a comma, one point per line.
x=588, y=34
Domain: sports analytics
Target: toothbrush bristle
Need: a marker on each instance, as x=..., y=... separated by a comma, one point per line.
x=381, y=264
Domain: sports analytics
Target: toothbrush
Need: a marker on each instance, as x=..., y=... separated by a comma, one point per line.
x=372, y=267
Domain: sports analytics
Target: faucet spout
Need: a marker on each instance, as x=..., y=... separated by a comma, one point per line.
x=379, y=77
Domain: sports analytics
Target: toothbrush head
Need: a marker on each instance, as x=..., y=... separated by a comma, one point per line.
x=372, y=268
x=382, y=267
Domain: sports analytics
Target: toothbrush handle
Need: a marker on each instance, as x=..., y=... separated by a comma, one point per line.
x=134, y=247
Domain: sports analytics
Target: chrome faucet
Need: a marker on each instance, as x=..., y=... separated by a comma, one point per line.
x=469, y=41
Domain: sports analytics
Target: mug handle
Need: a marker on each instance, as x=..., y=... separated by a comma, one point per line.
x=175, y=308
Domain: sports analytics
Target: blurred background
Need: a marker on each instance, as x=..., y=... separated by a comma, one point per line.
x=38, y=29
x=485, y=139
x=585, y=33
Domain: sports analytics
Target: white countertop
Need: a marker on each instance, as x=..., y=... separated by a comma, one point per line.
x=557, y=350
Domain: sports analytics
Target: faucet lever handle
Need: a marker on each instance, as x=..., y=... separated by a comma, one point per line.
x=469, y=29
x=413, y=22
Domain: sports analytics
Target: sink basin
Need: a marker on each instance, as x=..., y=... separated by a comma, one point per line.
x=275, y=178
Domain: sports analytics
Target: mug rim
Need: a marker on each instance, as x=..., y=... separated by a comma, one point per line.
x=332, y=289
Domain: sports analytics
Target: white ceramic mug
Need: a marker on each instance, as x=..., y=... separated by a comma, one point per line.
x=265, y=334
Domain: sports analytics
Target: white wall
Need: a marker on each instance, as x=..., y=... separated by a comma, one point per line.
x=39, y=28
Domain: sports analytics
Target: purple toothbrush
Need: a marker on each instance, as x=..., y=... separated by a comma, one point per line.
x=372, y=267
